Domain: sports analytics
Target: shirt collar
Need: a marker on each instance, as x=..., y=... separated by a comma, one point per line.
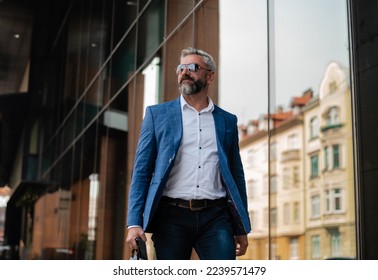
x=184, y=104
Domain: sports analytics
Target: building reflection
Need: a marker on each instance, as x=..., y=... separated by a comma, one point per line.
x=301, y=192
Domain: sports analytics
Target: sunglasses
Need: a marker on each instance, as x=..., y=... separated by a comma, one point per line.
x=192, y=67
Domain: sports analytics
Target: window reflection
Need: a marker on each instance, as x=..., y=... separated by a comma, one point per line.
x=94, y=189
x=300, y=194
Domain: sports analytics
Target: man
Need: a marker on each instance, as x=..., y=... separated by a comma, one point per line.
x=188, y=185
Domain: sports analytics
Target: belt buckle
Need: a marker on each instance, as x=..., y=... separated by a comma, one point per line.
x=192, y=207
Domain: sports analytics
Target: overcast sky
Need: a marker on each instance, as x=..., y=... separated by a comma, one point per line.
x=308, y=36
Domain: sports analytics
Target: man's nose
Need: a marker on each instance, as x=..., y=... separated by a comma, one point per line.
x=185, y=70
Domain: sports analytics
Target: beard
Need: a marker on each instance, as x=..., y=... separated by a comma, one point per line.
x=193, y=87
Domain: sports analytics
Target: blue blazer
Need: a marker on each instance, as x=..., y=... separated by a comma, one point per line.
x=158, y=144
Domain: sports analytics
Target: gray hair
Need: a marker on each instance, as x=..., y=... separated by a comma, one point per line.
x=208, y=59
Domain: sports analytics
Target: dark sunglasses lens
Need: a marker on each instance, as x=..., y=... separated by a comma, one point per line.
x=192, y=67
x=180, y=68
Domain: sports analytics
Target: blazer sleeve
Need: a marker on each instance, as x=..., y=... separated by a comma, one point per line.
x=144, y=164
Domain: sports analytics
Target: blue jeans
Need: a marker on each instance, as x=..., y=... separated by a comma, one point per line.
x=177, y=230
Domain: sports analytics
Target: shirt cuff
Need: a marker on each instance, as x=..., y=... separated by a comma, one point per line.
x=134, y=226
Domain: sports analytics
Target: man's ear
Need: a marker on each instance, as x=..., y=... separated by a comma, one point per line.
x=210, y=77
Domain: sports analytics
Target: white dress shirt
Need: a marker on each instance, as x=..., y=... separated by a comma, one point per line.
x=195, y=174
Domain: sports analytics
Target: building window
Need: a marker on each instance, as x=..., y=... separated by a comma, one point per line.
x=333, y=201
x=314, y=128
x=315, y=206
x=332, y=120
x=273, y=251
x=336, y=245
x=273, y=184
x=336, y=156
x=326, y=158
x=293, y=142
x=337, y=200
x=295, y=175
x=286, y=214
x=251, y=158
x=314, y=166
x=294, y=248
x=333, y=86
x=332, y=116
x=251, y=188
x=327, y=198
x=286, y=178
x=315, y=242
x=296, y=213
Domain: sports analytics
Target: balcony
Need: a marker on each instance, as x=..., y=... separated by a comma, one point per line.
x=333, y=127
x=290, y=155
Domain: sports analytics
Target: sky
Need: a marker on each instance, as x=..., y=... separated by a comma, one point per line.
x=308, y=35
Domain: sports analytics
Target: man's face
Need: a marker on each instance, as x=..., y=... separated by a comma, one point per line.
x=192, y=82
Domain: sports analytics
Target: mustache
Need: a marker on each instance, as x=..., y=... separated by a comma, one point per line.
x=184, y=78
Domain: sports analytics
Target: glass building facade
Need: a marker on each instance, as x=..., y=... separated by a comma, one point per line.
x=79, y=74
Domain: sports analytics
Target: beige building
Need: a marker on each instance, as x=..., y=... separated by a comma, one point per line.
x=305, y=180
x=274, y=179
x=330, y=216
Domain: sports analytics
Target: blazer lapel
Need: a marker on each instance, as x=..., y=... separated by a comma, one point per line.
x=220, y=125
x=175, y=120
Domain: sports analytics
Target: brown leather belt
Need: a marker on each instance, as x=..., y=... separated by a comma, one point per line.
x=194, y=204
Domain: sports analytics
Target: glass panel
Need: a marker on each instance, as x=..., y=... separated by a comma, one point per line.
x=243, y=61
x=311, y=76
x=150, y=30
x=123, y=64
x=285, y=74
x=92, y=101
x=96, y=36
x=124, y=14
x=85, y=187
x=87, y=34
x=113, y=170
x=242, y=78
x=75, y=70
x=141, y=3
x=68, y=131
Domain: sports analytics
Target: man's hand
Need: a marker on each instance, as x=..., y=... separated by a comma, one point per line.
x=241, y=243
x=132, y=234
